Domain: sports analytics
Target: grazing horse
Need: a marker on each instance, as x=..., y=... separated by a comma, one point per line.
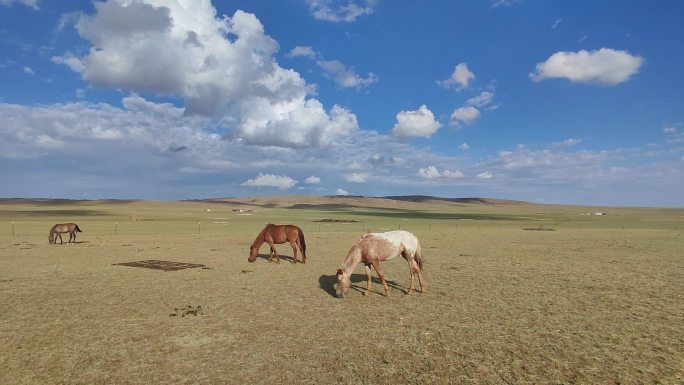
x=273, y=234
x=61, y=228
x=372, y=248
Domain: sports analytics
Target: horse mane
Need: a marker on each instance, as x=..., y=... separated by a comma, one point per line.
x=261, y=236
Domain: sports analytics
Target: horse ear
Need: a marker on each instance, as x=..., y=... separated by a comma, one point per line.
x=339, y=271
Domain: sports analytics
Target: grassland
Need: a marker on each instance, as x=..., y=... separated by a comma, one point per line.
x=591, y=300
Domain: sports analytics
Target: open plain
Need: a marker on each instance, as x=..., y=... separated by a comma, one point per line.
x=516, y=293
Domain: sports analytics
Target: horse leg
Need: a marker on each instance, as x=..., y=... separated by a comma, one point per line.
x=368, y=283
x=271, y=252
x=419, y=271
x=381, y=275
x=412, y=266
x=72, y=237
x=273, y=249
x=61, y=242
x=294, y=251
x=411, y=270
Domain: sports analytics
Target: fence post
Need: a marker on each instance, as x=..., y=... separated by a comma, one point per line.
x=13, y=229
x=116, y=224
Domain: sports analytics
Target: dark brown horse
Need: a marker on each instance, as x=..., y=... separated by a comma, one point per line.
x=273, y=234
x=61, y=228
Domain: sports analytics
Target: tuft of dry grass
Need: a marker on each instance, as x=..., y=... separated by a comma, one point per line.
x=591, y=302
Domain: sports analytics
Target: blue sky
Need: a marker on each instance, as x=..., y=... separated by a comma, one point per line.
x=545, y=101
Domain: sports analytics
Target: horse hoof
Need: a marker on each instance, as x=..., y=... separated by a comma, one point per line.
x=366, y=294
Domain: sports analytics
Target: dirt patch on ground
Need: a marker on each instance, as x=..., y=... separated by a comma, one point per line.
x=328, y=220
x=161, y=265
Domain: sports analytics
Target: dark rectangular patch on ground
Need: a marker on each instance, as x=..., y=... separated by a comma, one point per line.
x=161, y=265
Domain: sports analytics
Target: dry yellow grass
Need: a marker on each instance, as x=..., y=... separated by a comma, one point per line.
x=589, y=303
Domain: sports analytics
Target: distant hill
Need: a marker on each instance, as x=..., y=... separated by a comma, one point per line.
x=428, y=198
x=337, y=202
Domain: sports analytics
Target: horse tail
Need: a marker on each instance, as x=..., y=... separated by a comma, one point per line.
x=302, y=243
x=418, y=257
x=78, y=229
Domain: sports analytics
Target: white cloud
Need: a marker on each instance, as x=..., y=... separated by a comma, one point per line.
x=568, y=143
x=461, y=77
x=312, y=180
x=481, y=100
x=357, y=177
x=340, y=191
x=556, y=23
x=604, y=66
x=464, y=115
x=300, y=51
x=269, y=180
x=340, y=10
x=29, y=71
x=452, y=174
x=669, y=130
x=464, y=146
x=70, y=61
x=420, y=122
x=485, y=175
x=223, y=67
x=431, y=172
x=344, y=76
x=29, y=3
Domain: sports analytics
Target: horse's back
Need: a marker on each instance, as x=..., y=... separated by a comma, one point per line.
x=65, y=227
x=398, y=238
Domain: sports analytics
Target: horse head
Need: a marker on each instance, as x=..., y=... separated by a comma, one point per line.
x=253, y=253
x=51, y=238
x=343, y=283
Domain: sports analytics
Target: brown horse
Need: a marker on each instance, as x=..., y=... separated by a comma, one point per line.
x=61, y=228
x=372, y=248
x=273, y=234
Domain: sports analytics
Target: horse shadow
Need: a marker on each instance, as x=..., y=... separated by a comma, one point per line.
x=327, y=282
x=285, y=258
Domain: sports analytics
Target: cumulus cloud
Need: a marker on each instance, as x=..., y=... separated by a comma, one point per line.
x=223, y=67
x=669, y=130
x=300, y=51
x=312, y=180
x=431, y=172
x=464, y=146
x=485, y=175
x=71, y=61
x=340, y=191
x=356, y=177
x=340, y=10
x=460, y=78
x=420, y=122
x=29, y=71
x=483, y=99
x=269, y=180
x=464, y=116
x=604, y=66
x=343, y=75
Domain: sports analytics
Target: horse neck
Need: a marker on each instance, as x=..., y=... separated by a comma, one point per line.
x=353, y=259
x=260, y=239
